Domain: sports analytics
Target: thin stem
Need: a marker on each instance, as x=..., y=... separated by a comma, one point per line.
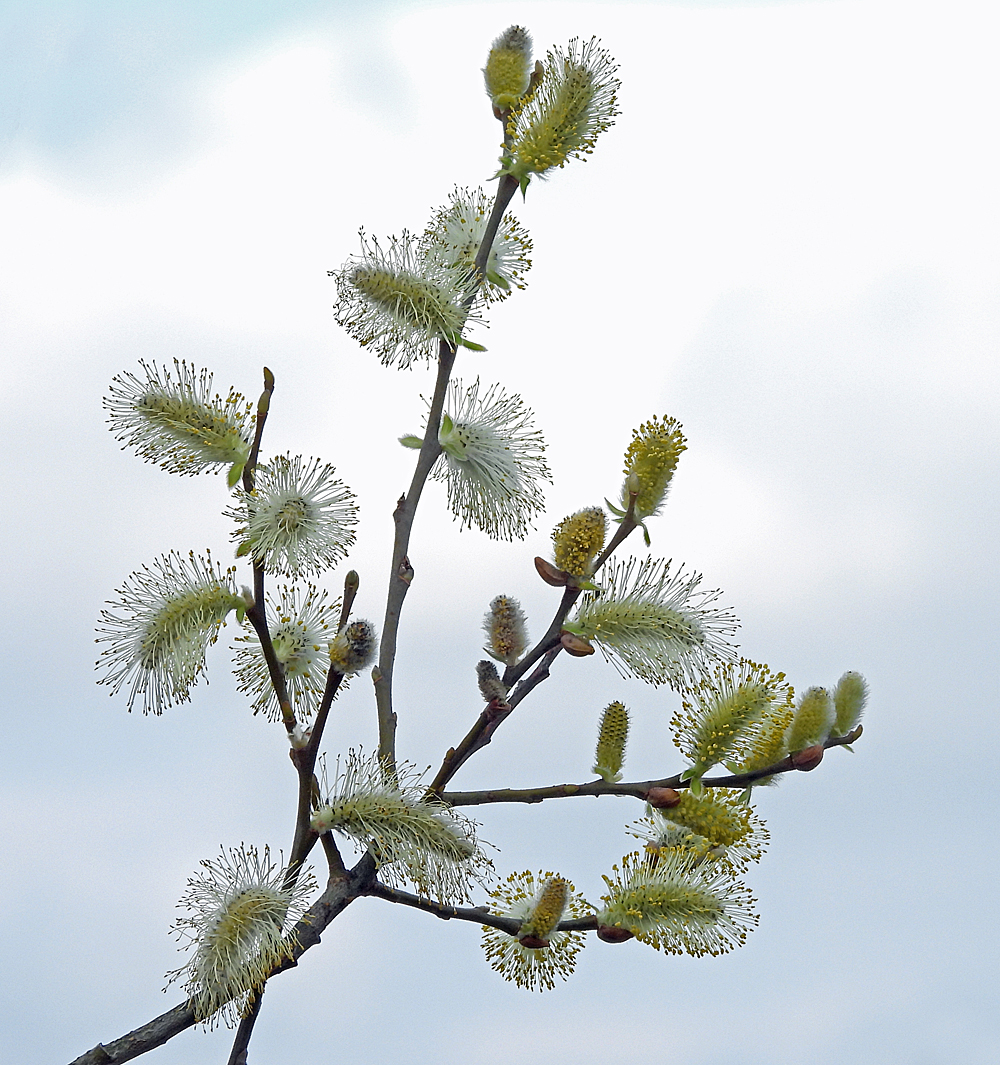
x=637, y=789
x=401, y=572
x=476, y=914
x=238, y=1055
x=263, y=406
x=546, y=650
x=257, y=616
x=339, y=894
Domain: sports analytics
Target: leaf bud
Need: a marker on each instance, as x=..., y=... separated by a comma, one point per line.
x=556, y=577
x=663, y=798
x=575, y=645
x=611, y=934
x=807, y=759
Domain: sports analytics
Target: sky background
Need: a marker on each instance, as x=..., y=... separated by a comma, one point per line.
x=788, y=242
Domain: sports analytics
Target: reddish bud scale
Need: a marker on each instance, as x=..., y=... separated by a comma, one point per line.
x=575, y=645
x=610, y=934
x=662, y=798
x=533, y=942
x=550, y=574
x=809, y=758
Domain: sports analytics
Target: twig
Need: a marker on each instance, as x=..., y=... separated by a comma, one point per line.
x=476, y=914
x=547, y=648
x=401, y=573
x=637, y=789
x=238, y=1055
x=339, y=894
x=263, y=406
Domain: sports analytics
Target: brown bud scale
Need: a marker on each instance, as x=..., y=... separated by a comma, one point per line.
x=610, y=934
x=807, y=759
x=662, y=798
x=550, y=574
x=576, y=645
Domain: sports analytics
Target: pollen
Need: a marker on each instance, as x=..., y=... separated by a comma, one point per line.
x=578, y=539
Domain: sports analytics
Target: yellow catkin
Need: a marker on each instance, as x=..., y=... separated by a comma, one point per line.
x=578, y=539
x=548, y=909
x=716, y=816
x=507, y=73
x=651, y=458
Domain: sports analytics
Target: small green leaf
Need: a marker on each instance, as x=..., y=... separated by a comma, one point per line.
x=494, y=278
x=416, y=442
x=244, y=549
x=235, y=473
x=462, y=342
x=613, y=508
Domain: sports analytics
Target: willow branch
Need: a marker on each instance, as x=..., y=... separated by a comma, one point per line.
x=570, y=595
x=238, y=1055
x=339, y=894
x=476, y=914
x=637, y=789
x=546, y=650
x=401, y=572
x=263, y=406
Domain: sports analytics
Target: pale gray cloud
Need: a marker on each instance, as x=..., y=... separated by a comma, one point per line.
x=788, y=242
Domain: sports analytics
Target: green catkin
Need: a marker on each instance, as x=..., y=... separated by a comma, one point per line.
x=409, y=299
x=562, y=118
x=764, y=744
x=814, y=717
x=722, y=707
x=849, y=698
x=678, y=907
x=611, y=743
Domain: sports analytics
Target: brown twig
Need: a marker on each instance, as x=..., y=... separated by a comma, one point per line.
x=546, y=650
x=476, y=914
x=238, y=1055
x=401, y=573
x=339, y=894
x=637, y=789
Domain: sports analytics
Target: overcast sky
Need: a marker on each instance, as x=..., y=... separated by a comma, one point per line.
x=788, y=242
